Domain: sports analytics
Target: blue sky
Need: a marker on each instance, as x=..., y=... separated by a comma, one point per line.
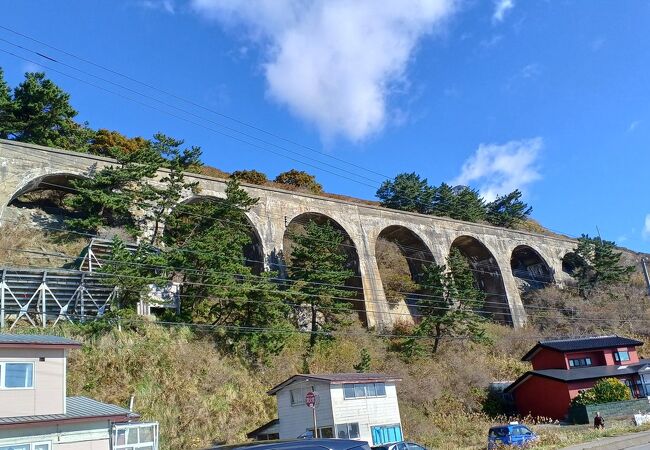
x=551, y=97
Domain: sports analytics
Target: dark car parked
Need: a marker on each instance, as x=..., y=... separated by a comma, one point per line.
x=399, y=446
x=299, y=444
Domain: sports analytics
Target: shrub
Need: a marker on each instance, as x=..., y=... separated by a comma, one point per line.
x=250, y=176
x=605, y=391
x=300, y=179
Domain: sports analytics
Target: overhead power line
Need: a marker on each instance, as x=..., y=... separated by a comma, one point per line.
x=190, y=102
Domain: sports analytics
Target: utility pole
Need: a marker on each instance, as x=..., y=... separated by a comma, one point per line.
x=645, y=272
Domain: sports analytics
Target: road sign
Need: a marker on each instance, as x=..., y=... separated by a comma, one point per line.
x=310, y=399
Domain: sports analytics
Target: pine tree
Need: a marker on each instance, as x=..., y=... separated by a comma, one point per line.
x=110, y=195
x=407, y=192
x=598, y=264
x=508, y=210
x=449, y=305
x=460, y=203
x=318, y=270
x=42, y=114
x=208, y=237
x=6, y=109
x=163, y=196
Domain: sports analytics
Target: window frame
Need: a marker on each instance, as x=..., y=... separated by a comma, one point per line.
x=347, y=428
x=117, y=427
x=3, y=376
x=352, y=388
x=617, y=355
x=580, y=362
x=30, y=445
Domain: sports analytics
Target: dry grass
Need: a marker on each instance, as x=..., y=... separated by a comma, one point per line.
x=200, y=395
x=21, y=246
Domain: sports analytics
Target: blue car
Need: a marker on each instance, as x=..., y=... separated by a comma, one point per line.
x=512, y=434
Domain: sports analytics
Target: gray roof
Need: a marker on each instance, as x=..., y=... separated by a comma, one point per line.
x=583, y=343
x=585, y=373
x=36, y=339
x=336, y=378
x=76, y=408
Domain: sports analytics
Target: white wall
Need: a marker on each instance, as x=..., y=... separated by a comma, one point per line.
x=48, y=394
x=79, y=436
x=367, y=412
x=295, y=420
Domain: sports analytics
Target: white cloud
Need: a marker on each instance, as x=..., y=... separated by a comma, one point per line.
x=646, y=227
x=501, y=8
x=167, y=6
x=633, y=126
x=334, y=63
x=500, y=169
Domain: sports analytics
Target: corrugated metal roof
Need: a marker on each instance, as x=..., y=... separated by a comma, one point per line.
x=336, y=378
x=578, y=344
x=76, y=408
x=585, y=373
x=36, y=339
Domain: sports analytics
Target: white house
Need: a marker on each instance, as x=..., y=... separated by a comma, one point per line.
x=36, y=414
x=360, y=406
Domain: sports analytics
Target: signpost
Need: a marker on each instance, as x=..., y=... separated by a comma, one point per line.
x=310, y=401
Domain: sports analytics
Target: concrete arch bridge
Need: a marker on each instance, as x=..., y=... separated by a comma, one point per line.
x=502, y=259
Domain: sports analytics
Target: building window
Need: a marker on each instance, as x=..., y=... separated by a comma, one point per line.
x=621, y=356
x=347, y=431
x=16, y=375
x=32, y=446
x=580, y=362
x=135, y=436
x=386, y=434
x=363, y=390
x=323, y=432
x=298, y=395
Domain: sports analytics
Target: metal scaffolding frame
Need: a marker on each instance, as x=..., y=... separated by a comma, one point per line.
x=44, y=297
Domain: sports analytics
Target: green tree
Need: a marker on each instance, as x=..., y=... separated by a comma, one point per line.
x=460, y=203
x=365, y=360
x=448, y=305
x=163, y=196
x=6, y=108
x=604, y=391
x=109, y=196
x=598, y=264
x=42, y=114
x=132, y=271
x=301, y=180
x=508, y=210
x=407, y=192
x=209, y=237
x=318, y=269
x=250, y=176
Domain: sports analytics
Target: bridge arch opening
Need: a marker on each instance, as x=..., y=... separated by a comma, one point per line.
x=44, y=198
x=570, y=263
x=347, y=248
x=530, y=270
x=487, y=276
x=190, y=212
x=401, y=256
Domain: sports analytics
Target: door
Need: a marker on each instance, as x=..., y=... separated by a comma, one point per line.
x=385, y=434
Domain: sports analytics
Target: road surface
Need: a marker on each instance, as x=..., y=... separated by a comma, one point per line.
x=631, y=441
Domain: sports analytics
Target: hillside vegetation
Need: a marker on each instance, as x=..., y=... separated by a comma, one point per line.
x=199, y=394
x=203, y=371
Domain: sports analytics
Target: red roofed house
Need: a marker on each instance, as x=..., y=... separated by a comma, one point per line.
x=564, y=367
x=36, y=413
